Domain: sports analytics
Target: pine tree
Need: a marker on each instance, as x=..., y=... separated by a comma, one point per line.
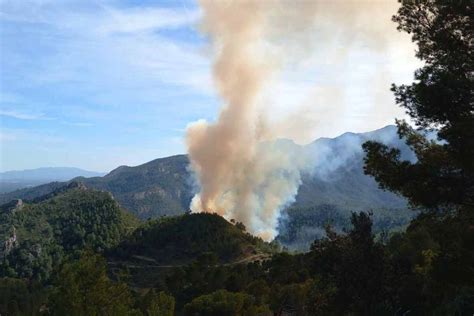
x=440, y=99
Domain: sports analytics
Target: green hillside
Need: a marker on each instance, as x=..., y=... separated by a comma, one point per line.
x=38, y=235
x=156, y=188
x=159, y=187
x=181, y=239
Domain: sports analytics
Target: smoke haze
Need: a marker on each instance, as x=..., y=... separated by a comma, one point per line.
x=242, y=171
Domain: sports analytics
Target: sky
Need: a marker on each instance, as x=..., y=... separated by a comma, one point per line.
x=99, y=84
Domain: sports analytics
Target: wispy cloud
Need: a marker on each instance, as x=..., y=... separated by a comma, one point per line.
x=145, y=19
x=103, y=46
x=24, y=116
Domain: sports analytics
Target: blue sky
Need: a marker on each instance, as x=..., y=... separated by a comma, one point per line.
x=98, y=84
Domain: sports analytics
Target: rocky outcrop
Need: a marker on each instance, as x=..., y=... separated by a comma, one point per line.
x=9, y=244
x=18, y=206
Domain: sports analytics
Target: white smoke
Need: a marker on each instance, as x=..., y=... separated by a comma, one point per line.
x=243, y=172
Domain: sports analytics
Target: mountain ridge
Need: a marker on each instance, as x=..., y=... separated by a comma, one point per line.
x=164, y=186
x=17, y=179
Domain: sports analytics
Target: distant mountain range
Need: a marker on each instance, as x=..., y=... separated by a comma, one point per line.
x=334, y=180
x=163, y=186
x=337, y=177
x=159, y=187
x=18, y=179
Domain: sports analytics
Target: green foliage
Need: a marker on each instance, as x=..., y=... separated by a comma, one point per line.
x=21, y=297
x=425, y=270
x=340, y=274
x=82, y=287
x=434, y=258
x=58, y=225
x=355, y=265
x=183, y=238
x=434, y=261
x=223, y=302
x=441, y=98
x=157, y=304
x=302, y=226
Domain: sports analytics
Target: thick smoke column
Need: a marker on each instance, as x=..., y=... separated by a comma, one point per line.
x=243, y=176
x=242, y=172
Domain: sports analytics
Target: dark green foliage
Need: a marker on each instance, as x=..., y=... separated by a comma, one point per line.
x=82, y=287
x=160, y=187
x=57, y=225
x=301, y=226
x=223, y=302
x=202, y=277
x=183, y=238
x=355, y=265
x=426, y=270
x=441, y=98
x=157, y=304
x=21, y=297
x=433, y=261
x=434, y=258
x=332, y=277
x=347, y=273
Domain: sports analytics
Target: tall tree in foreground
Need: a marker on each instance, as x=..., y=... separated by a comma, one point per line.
x=433, y=260
x=84, y=288
x=440, y=99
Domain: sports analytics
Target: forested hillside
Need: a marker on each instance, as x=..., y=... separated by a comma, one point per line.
x=334, y=178
x=180, y=239
x=159, y=187
x=36, y=237
x=74, y=238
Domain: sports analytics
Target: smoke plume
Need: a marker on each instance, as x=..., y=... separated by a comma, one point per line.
x=242, y=171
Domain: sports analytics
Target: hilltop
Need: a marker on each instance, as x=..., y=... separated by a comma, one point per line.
x=158, y=247
x=181, y=239
x=36, y=236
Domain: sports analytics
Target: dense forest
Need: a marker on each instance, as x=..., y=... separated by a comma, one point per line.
x=179, y=239
x=300, y=226
x=75, y=252
x=39, y=236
